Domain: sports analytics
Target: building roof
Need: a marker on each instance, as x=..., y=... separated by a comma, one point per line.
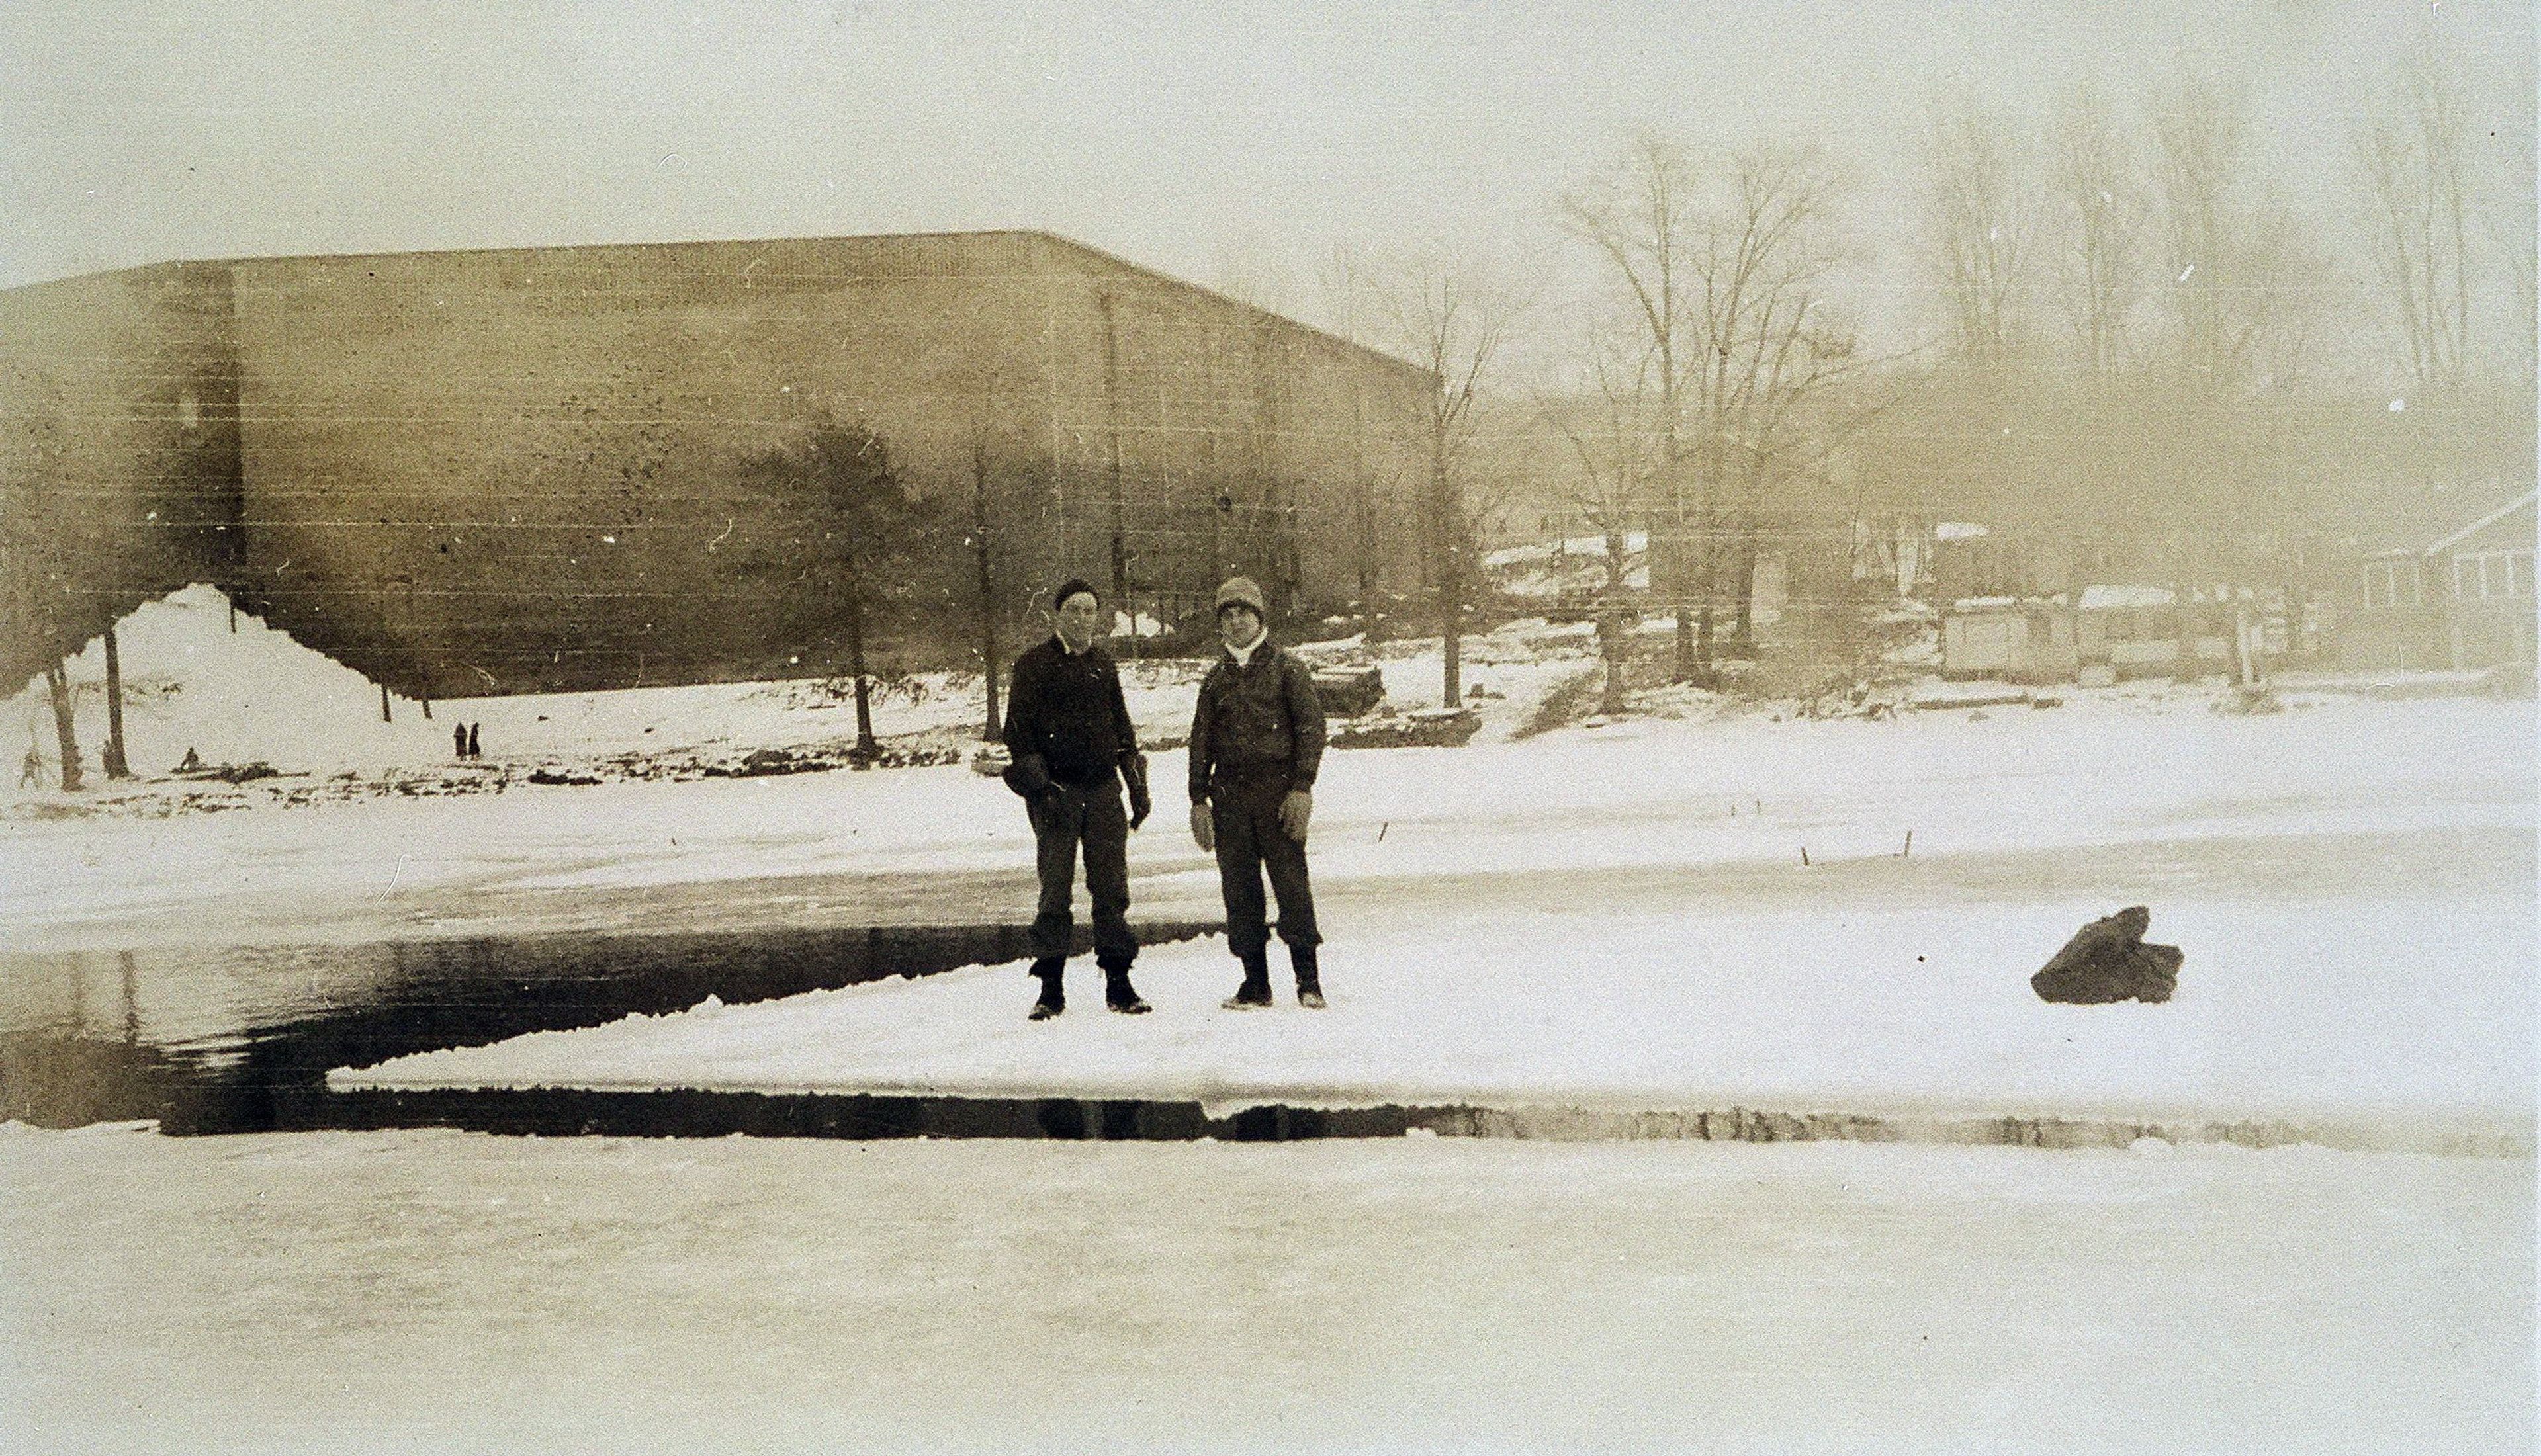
x=2519, y=503
x=1084, y=250
x=2095, y=598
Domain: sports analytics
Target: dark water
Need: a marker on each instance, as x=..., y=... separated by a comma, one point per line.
x=547, y=1112
x=239, y=1039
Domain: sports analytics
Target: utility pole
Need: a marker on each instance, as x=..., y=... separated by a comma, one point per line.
x=1112, y=457
x=987, y=585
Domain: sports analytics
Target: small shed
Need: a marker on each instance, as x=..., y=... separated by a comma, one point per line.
x=2135, y=631
x=2022, y=640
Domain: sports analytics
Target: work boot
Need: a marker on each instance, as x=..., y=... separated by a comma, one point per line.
x=1120, y=994
x=1255, y=990
x=1052, y=970
x=1310, y=983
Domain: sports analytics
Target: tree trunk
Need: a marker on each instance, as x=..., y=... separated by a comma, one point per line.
x=115, y=766
x=65, y=734
x=1742, y=629
x=1452, y=688
x=866, y=744
x=1610, y=647
x=2184, y=604
x=1450, y=588
x=1679, y=586
x=1611, y=641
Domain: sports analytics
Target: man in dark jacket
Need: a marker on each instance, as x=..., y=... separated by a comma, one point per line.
x=1068, y=729
x=1257, y=739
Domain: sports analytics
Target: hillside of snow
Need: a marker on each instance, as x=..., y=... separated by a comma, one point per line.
x=231, y=693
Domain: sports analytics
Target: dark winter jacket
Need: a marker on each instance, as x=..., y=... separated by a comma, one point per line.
x=1257, y=720
x=1066, y=713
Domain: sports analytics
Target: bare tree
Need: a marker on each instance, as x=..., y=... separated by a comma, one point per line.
x=1979, y=220
x=2242, y=300
x=2240, y=290
x=2099, y=211
x=2509, y=227
x=2412, y=164
x=1769, y=345
x=1642, y=217
x=1614, y=436
x=1451, y=317
x=1729, y=275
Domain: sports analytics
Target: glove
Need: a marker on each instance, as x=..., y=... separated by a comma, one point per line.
x=1203, y=829
x=1134, y=771
x=1294, y=812
x=1028, y=776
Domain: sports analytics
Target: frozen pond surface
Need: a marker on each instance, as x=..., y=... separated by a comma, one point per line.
x=450, y=1293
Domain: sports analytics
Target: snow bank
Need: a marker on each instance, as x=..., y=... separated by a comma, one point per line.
x=245, y=695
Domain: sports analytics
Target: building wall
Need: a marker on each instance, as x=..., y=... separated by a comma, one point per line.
x=494, y=471
x=1245, y=442
x=118, y=452
x=2025, y=642
x=532, y=469
x=2467, y=606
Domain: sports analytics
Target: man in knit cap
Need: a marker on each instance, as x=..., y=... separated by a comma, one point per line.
x=1068, y=729
x=1257, y=739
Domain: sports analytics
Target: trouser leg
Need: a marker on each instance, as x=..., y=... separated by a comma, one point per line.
x=1285, y=859
x=1057, y=825
x=1239, y=875
x=1106, y=834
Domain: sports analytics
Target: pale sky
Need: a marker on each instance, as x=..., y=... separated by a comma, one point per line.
x=1176, y=136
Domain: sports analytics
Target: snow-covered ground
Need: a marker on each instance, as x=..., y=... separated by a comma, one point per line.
x=1622, y=915
x=1575, y=567
x=1618, y=913
x=239, y=695
x=446, y=1293
x=1614, y=915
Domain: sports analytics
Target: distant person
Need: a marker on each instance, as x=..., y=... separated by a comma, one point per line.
x=1257, y=739
x=459, y=741
x=475, y=743
x=1068, y=731
x=32, y=773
